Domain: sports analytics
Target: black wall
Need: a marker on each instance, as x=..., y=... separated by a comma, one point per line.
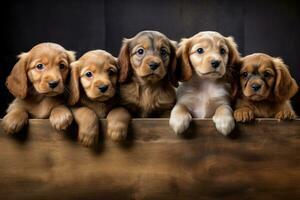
x=258, y=26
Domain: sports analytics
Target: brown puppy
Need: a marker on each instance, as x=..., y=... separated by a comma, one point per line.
x=37, y=81
x=95, y=76
x=266, y=87
x=147, y=71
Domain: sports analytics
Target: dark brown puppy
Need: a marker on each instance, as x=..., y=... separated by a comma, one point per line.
x=37, y=81
x=147, y=75
x=266, y=87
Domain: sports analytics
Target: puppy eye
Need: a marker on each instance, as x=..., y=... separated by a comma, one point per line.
x=222, y=51
x=267, y=74
x=245, y=74
x=140, y=51
x=200, y=50
x=62, y=66
x=111, y=71
x=40, y=66
x=163, y=52
x=89, y=74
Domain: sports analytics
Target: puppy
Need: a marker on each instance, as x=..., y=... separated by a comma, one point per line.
x=147, y=75
x=206, y=64
x=94, y=76
x=38, y=81
x=266, y=87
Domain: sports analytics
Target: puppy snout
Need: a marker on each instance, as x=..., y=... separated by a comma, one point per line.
x=103, y=88
x=255, y=87
x=215, y=63
x=154, y=65
x=53, y=84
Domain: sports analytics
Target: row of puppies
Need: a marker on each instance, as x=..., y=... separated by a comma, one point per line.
x=142, y=81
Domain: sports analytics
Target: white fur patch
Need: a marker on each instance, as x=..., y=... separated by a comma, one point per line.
x=179, y=121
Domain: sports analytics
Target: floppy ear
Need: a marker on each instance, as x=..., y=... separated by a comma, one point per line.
x=16, y=82
x=124, y=61
x=184, y=68
x=71, y=56
x=285, y=86
x=74, y=83
x=234, y=55
x=172, y=64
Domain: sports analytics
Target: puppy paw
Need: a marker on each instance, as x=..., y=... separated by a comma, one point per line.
x=243, y=115
x=180, y=122
x=60, y=119
x=88, y=138
x=117, y=131
x=13, y=123
x=285, y=115
x=224, y=123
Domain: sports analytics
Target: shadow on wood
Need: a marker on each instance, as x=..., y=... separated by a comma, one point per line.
x=260, y=161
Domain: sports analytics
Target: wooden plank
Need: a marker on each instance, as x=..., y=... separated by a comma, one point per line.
x=260, y=160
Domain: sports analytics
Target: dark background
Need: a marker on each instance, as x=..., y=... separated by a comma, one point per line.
x=258, y=26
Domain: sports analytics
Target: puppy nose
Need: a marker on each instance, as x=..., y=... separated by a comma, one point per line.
x=255, y=87
x=154, y=65
x=215, y=63
x=52, y=84
x=103, y=88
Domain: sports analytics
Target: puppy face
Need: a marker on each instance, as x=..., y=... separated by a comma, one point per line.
x=45, y=66
x=97, y=73
x=208, y=54
x=149, y=56
x=263, y=77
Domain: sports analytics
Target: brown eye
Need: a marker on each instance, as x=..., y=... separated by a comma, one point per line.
x=89, y=74
x=140, y=51
x=200, y=51
x=40, y=66
x=245, y=74
x=62, y=66
x=222, y=51
x=163, y=52
x=111, y=71
x=267, y=74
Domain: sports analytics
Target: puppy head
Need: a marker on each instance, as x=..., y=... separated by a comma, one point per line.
x=97, y=73
x=45, y=66
x=149, y=57
x=264, y=77
x=208, y=54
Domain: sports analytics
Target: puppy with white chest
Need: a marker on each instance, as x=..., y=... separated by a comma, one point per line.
x=206, y=65
x=38, y=81
x=93, y=87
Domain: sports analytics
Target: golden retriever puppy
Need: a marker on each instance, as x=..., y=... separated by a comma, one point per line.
x=92, y=86
x=147, y=71
x=38, y=82
x=266, y=87
x=206, y=63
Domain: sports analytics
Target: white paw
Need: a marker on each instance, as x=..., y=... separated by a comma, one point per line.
x=224, y=123
x=180, y=122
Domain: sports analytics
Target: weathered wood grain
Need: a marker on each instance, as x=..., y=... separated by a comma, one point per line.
x=259, y=161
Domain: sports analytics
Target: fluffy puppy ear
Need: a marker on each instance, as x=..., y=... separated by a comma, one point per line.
x=184, y=68
x=16, y=82
x=285, y=86
x=173, y=64
x=124, y=61
x=234, y=55
x=71, y=56
x=74, y=83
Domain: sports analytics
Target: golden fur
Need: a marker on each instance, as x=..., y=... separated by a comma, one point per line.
x=206, y=64
x=147, y=75
x=37, y=81
x=93, y=86
x=266, y=87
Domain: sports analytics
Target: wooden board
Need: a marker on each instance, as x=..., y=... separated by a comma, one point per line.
x=260, y=160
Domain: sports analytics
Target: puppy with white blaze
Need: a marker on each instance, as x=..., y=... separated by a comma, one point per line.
x=206, y=66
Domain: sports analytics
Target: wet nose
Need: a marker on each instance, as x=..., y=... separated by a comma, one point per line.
x=103, y=88
x=52, y=84
x=154, y=65
x=215, y=63
x=255, y=87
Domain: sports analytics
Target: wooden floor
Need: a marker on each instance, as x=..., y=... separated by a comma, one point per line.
x=260, y=160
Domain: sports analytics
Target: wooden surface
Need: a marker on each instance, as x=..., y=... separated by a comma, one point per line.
x=260, y=160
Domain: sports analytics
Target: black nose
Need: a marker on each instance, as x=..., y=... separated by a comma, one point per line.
x=153, y=66
x=255, y=87
x=53, y=84
x=103, y=88
x=215, y=63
